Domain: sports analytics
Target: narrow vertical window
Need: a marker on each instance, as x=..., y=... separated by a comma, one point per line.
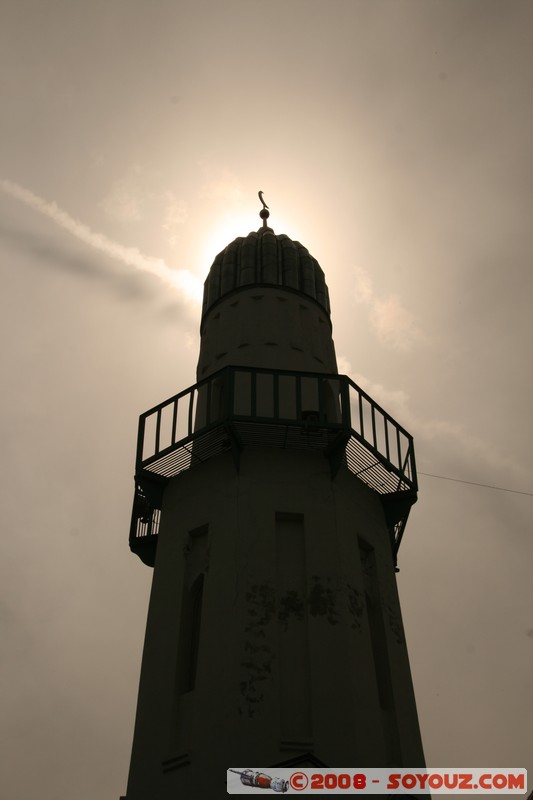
x=294, y=662
x=190, y=634
x=380, y=651
x=191, y=611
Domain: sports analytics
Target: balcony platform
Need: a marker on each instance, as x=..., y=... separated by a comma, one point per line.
x=242, y=407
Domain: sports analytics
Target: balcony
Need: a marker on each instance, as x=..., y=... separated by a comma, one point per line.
x=242, y=407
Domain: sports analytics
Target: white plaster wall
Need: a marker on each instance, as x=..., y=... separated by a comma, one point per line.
x=228, y=718
x=267, y=327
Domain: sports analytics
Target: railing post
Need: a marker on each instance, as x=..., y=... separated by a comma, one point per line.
x=275, y=392
x=208, y=404
x=399, y=446
x=321, y=400
x=174, y=421
x=414, y=477
x=140, y=443
x=346, y=411
x=191, y=404
x=253, y=390
x=157, y=430
x=373, y=414
x=229, y=392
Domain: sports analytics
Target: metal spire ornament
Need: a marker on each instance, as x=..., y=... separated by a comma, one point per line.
x=264, y=213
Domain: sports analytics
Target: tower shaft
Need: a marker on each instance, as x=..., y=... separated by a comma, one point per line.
x=272, y=517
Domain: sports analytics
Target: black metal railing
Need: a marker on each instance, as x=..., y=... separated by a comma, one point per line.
x=244, y=406
x=312, y=402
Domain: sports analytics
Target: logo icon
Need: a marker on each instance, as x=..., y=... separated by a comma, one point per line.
x=261, y=781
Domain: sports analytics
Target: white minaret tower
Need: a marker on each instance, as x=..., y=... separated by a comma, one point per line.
x=271, y=498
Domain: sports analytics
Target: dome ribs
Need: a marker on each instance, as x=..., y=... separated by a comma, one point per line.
x=267, y=259
x=247, y=271
x=308, y=267
x=289, y=264
x=229, y=270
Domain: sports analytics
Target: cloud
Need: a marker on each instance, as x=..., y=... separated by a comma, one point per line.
x=183, y=280
x=130, y=199
x=451, y=443
x=394, y=401
x=393, y=324
x=364, y=292
x=175, y=214
x=123, y=202
x=220, y=184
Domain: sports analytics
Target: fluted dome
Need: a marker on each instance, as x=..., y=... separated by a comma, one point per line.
x=264, y=258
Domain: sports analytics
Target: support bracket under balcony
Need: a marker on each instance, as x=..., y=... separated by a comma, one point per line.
x=397, y=506
x=335, y=451
x=235, y=444
x=145, y=517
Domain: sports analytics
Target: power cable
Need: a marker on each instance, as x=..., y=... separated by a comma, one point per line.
x=472, y=483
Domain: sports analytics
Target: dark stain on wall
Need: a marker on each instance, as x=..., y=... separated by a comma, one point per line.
x=323, y=599
x=291, y=604
x=356, y=607
x=256, y=666
x=395, y=624
x=261, y=606
x=327, y=598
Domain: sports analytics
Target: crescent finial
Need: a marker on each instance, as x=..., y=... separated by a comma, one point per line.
x=264, y=213
x=260, y=194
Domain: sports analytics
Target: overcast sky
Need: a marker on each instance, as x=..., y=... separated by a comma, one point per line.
x=393, y=139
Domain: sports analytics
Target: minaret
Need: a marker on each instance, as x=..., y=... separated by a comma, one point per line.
x=271, y=498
